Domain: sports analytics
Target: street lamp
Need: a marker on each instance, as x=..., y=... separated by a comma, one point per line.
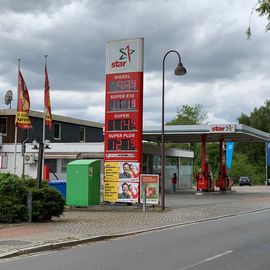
x=179, y=71
x=40, y=146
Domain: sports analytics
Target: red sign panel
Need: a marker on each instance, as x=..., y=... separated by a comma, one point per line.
x=123, y=118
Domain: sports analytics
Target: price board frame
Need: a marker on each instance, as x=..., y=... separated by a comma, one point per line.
x=123, y=104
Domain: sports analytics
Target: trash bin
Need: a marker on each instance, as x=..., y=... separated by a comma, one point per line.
x=59, y=185
x=83, y=182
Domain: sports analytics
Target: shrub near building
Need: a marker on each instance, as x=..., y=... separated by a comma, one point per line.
x=47, y=202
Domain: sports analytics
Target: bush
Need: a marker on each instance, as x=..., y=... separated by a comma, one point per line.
x=47, y=202
x=12, y=210
x=242, y=167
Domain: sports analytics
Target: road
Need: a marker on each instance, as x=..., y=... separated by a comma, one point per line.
x=241, y=242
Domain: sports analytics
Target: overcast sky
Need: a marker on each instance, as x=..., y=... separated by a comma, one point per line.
x=227, y=73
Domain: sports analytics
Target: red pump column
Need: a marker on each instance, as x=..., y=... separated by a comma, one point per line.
x=221, y=183
x=203, y=182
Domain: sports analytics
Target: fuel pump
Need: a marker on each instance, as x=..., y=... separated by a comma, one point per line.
x=202, y=182
x=204, y=179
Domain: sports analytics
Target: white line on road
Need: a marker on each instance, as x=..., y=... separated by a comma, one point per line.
x=207, y=260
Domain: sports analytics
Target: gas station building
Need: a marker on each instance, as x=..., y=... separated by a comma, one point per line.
x=207, y=133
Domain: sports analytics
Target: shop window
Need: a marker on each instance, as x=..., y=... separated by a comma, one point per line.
x=64, y=163
x=3, y=125
x=185, y=161
x=57, y=131
x=172, y=162
x=82, y=134
x=3, y=161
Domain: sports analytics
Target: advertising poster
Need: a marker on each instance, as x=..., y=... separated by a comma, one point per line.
x=111, y=191
x=128, y=191
x=111, y=171
x=121, y=181
x=150, y=183
x=129, y=171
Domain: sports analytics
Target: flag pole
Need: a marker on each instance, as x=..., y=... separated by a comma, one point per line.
x=44, y=109
x=16, y=129
x=44, y=120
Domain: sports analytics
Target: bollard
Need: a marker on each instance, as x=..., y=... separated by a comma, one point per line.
x=29, y=205
x=144, y=200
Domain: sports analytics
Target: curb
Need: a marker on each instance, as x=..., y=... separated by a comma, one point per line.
x=71, y=243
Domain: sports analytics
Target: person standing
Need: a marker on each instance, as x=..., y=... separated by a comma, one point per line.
x=174, y=181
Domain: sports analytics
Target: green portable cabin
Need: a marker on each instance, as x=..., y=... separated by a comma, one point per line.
x=83, y=183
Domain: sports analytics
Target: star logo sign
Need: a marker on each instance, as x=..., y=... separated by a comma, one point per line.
x=229, y=128
x=126, y=53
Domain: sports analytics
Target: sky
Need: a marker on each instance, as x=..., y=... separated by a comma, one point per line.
x=226, y=73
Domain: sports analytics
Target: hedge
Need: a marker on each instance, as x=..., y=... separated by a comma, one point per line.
x=47, y=202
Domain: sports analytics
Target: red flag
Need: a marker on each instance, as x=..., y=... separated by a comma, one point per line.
x=47, y=101
x=23, y=105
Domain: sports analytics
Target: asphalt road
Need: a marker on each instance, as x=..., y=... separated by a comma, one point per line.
x=241, y=242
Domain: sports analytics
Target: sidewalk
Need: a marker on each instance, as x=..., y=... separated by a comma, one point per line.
x=82, y=225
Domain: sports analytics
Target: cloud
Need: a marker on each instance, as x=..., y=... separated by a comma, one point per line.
x=226, y=73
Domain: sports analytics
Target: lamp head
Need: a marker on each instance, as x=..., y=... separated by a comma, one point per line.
x=35, y=145
x=47, y=144
x=180, y=70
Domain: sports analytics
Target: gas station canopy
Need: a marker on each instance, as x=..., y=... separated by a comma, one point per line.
x=193, y=133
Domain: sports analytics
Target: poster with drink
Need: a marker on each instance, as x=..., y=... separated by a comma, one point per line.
x=128, y=191
x=129, y=171
x=150, y=185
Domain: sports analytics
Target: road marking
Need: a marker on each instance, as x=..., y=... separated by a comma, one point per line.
x=207, y=260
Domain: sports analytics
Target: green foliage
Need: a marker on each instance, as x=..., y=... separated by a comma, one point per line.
x=12, y=210
x=189, y=115
x=47, y=202
x=263, y=9
x=241, y=166
x=259, y=118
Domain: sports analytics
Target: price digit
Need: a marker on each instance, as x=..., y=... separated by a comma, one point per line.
x=119, y=85
x=131, y=144
x=118, y=145
x=132, y=124
x=133, y=85
x=133, y=104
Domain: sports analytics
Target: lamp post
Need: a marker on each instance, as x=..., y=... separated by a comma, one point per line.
x=40, y=146
x=179, y=71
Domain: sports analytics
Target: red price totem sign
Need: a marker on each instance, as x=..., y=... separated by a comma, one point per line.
x=124, y=107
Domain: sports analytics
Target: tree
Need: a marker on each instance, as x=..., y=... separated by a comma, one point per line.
x=259, y=118
x=192, y=115
x=263, y=9
x=241, y=167
x=189, y=115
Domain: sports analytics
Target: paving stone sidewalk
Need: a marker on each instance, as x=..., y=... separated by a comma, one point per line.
x=183, y=207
